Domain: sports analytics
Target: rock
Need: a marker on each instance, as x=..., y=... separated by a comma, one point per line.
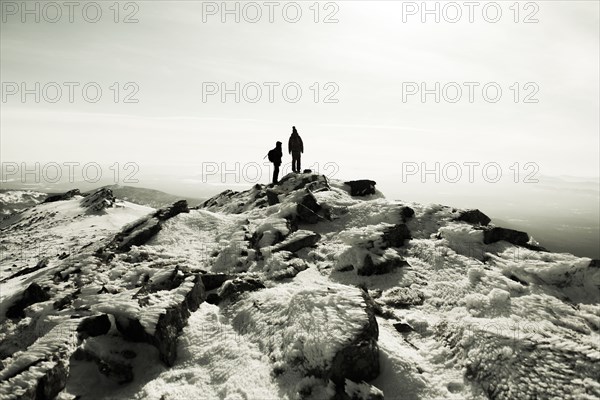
x=381, y=266
x=213, y=298
x=517, y=279
x=170, y=322
x=495, y=234
x=406, y=213
x=43, y=263
x=272, y=197
x=297, y=241
x=163, y=282
x=403, y=327
x=233, y=288
x=140, y=231
x=94, y=326
x=328, y=331
x=361, y=391
x=308, y=209
x=474, y=217
x=307, y=171
x=99, y=200
x=595, y=263
x=403, y=297
x=136, y=235
x=168, y=212
x=363, y=187
x=359, y=359
x=40, y=371
x=64, y=196
x=33, y=294
x=117, y=371
x=214, y=281
x=395, y=236
x=66, y=300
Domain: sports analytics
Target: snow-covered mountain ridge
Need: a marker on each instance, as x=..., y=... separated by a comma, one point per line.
x=309, y=289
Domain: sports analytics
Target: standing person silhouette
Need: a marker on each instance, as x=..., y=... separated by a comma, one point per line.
x=275, y=156
x=296, y=148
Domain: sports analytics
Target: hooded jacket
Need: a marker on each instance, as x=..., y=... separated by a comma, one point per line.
x=295, y=143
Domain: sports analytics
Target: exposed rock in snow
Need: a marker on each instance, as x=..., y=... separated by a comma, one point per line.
x=64, y=196
x=33, y=294
x=214, y=281
x=99, y=200
x=362, y=391
x=142, y=230
x=309, y=210
x=232, y=289
x=362, y=187
x=297, y=241
x=324, y=330
x=158, y=317
x=474, y=217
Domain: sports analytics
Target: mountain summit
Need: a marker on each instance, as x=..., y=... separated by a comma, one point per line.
x=308, y=289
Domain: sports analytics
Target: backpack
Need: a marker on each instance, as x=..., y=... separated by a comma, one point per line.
x=271, y=155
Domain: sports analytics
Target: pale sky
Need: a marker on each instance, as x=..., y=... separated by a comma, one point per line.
x=368, y=54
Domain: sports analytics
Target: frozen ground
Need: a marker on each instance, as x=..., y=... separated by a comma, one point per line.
x=324, y=290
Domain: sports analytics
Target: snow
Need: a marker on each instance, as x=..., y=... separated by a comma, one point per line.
x=215, y=362
x=488, y=320
x=304, y=322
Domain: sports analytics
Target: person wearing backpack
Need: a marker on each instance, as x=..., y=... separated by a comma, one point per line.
x=274, y=156
x=295, y=148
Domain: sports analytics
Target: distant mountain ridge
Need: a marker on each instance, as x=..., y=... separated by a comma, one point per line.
x=148, y=197
x=13, y=201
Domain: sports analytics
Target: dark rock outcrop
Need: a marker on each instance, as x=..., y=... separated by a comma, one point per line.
x=117, y=371
x=403, y=297
x=233, y=288
x=169, y=324
x=309, y=209
x=63, y=196
x=359, y=359
x=297, y=241
x=33, y=294
x=43, y=263
x=496, y=234
x=272, y=197
x=170, y=211
x=139, y=232
x=214, y=281
x=474, y=217
x=380, y=267
x=406, y=213
x=94, y=326
x=395, y=236
x=363, y=187
x=99, y=200
x=40, y=371
x=518, y=238
x=403, y=327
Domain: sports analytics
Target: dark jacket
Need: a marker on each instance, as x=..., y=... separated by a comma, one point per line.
x=295, y=143
x=278, y=154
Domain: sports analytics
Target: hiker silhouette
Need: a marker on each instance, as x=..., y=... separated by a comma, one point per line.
x=275, y=157
x=295, y=148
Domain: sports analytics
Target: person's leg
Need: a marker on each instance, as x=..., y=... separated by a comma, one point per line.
x=296, y=161
x=275, y=173
x=299, y=156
